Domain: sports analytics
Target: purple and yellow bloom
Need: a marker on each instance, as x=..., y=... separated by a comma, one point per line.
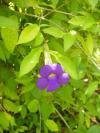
x=52, y=77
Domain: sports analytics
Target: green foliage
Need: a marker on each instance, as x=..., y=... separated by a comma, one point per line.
x=85, y=21
x=69, y=31
x=56, y=32
x=8, y=22
x=30, y=61
x=51, y=125
x=33, y=106
x=93, y=129
x=10, y=37
x=91, y=88
x=10, y=106
x=66, y=63
x=69, y=40
x=28, y=33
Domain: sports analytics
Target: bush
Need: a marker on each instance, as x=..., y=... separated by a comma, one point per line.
x=34, y=33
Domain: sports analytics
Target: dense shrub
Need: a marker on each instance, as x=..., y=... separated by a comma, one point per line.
x=34, y=33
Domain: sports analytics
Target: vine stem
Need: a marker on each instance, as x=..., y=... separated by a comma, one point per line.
x=62, y=118
x=57, y=11
x=39, y=18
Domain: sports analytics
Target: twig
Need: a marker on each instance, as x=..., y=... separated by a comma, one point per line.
x=57, y=11
x=40, y=17
x=62, y=118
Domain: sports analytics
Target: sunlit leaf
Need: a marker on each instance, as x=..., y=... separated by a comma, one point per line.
x=51, y=125
x=33, y=106
x=38, y=40
x=83, y=21
x=10, y=38
x=8, y=22
x=46, y=108
x=30, y=61
x=89, y=44
x=94, y=129
x=28, y=33
x=93, y=3
x=53, y=31
x=69, y=39
x=91, y=88
x=10, y=106
x=6, y=120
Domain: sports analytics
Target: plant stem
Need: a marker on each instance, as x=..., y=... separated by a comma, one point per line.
x=62, y=118
x=57, y=11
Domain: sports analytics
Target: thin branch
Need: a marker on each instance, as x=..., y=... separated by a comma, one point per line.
x=62, y=118
x=57, y=8
x=57, y=11
x=40, y=18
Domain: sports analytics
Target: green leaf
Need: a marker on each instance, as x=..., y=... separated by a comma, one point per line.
x=69, y=39
x=6, y=22
x=10, y=119
x=30, y=61
x=54, y=3
x=94, y=129
x=87, y=120
x=5, y=51
x=2, y=54
x=81, y=118
x=91, y=88
x=33, y=106
x=46, y=108
x=53, y=31
x=67, y=63
x=10, y=88
x=55, y=45
x=28, y=33
x=81, y=129
x=89, y=44
x=65, y=93
x=93, y=3
x=4, y=123
x=10, y=38
x=25, y=3
x=85, y=21
x=6, y=120
x=21, y=129
x=23, y=112
x=39, y=39
x=10, y=106
x=52, y=126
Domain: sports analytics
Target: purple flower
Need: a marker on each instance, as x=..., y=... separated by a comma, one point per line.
x=52, y=77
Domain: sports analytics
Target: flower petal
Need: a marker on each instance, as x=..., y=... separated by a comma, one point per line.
x=63, y=79
x=53, y=85
x=57, y=69
x=45, y=70
x=42, y=83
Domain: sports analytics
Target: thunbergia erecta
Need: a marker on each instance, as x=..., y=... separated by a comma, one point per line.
x=52, y=77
